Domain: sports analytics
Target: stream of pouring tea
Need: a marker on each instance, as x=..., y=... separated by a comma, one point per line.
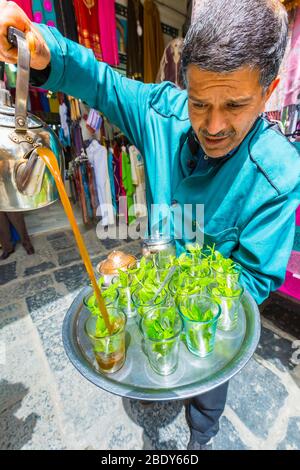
x=49, y=159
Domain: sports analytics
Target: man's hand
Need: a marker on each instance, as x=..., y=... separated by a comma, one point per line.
x=12, y=15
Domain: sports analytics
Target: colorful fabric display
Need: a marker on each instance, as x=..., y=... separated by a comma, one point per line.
x=108, y=30
x=138, y=179
x=97, y=155
x=128, y=184
x=43, y=12
x=26, y=6
x=65, y=18
x=87, y=12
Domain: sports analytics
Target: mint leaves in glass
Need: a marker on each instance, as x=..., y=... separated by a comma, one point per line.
x=161, y=329
x=229, y=299
x=109, y=294
x=225, y=270
x=109, y=349
x=200, y=316
x=143, y=298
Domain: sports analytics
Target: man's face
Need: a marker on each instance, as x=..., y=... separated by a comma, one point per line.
x=224, y=107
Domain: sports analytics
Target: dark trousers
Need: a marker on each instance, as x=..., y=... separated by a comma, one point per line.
x=203, y=413
x=17, y=220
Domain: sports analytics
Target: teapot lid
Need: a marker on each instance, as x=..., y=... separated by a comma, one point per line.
x=116, y=260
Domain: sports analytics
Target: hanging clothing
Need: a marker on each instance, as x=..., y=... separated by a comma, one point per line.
x=170, y=69
x=108, y=28
x=138, y=179
x=63, y=114
x=123, y=208
x=108, y=130
x=35, y=101
x=26, y=6
x=45, y=102
x=94, y=120
x=80, y=192
x=86, y=131
x=293, y=78
x=87, y=13
x=43, y=12
x=92, y=189
x=75, y=113
x=65, y=18
x=54, y=104
x=11, y=75
x=86, y=189
x=276, y=101
x=97, y=155
x=153, y=41
x=77, y=142
x=117, y=175
x=135, y=47
x=128, y=185
x=112, y=178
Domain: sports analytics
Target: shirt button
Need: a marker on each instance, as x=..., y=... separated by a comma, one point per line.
x=205, y=157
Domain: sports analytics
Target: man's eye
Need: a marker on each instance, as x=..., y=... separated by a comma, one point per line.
x=235, y=105
x=199, y=105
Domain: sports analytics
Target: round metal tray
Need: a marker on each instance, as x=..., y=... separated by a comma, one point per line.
x=137, y=380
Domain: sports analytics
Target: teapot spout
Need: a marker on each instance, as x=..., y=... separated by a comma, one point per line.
x=29, y=173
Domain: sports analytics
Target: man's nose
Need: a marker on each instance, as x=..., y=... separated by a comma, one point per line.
x=215, y=122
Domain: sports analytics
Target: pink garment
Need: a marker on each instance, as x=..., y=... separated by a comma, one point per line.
x=293, y=79
x=291, y=286
x=26, y=5
x=108, y=29
x=298, y=217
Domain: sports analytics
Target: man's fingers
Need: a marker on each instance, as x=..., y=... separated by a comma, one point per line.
x=13, y=16
x=31, y=41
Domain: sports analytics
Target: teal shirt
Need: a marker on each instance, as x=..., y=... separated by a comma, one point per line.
x=250, y=196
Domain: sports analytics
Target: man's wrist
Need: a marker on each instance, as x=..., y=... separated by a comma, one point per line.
x=39, y=77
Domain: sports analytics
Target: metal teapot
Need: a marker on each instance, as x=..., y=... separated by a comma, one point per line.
x=25, y=181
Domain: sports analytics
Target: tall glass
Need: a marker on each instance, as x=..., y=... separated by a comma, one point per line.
x=126, y=303
x=164, y=259
x=229, y=299
x=109, y=349
x=111, y=298
x=143, y=303
x=185, y=284
x=161, y=329
x=200, y=316
x=227, y=278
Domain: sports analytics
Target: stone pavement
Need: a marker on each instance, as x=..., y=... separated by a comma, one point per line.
x=46, y=404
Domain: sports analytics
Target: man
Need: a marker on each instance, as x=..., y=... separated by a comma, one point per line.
x=244, y=172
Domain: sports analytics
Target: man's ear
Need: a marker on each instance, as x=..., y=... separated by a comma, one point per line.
x=272, y=87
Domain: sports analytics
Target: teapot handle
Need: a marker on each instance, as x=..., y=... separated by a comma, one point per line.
x=18, y=39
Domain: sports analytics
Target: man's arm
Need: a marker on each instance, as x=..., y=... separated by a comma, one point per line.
x=265, y=245
x=75, y=71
